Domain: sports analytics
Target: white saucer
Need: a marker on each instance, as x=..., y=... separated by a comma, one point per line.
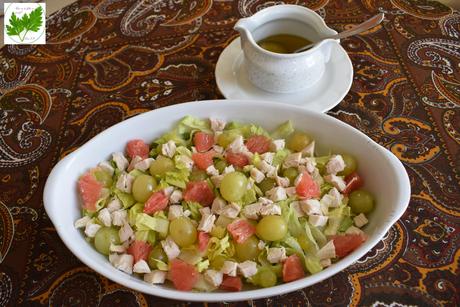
x=233, y=82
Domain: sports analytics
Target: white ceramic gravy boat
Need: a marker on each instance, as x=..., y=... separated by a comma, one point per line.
x=284, y=73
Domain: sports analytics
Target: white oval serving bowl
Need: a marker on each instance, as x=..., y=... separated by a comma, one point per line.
x=383, y=173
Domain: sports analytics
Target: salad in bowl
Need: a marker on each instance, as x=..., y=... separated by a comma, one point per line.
x=216, y=205
x=199, y=200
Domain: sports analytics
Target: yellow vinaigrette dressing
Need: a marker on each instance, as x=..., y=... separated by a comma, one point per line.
x=283, y=43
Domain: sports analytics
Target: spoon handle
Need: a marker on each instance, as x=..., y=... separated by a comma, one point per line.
x=368, y=24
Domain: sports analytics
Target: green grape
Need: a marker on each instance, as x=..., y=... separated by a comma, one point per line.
x=271, y=228
x=104, y=237
x=103, y=177
x=266, y=277
x=218, y=231
x=226, y=138
x=220, y=165
x=156, y=253
x=361, y=201
x=223, y=221
x=233, y=186
x=291, y=173
x=143, y=187
x=267, y=184
x=161, y=165
x=247, y=250
x=182, y=231
x=350, y=165
x=217, y=262
x=297, y=141
x=198, y=175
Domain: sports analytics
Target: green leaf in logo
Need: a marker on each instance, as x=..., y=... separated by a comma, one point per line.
x=28, y=22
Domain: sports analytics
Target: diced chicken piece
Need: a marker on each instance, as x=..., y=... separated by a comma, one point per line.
x=336, y=181
x=107, y=167
x=271, y=209
x=282, y=181
x=117, y=248
x=360, y=220
x=335, y=164
x=229, y=268
x=114, y=205
x=325, y=262
x=207, y=222
x=168, y=191
x=125, y=233
x=217, y=124
x=353, y=230
x=155, y=277
x=257, y=175
x=237, y=145
x=218, y=205
x=175, y=197
x=170, y=248
x=125, y=182
x=267, y=168
x=327, y=251
x=265, y=201
x=228, y=169
x=216, y=180
x=213, y=277
x=231, y=210
x=308, y=163
x=276, y=254
x=277, y=194
x=175, y=211
x=247, y=268
x=133, y=163
x=317, y=177
x=291, y=191
x=261, y=245
x=292, y=160
x=278, y=144
x=297, y=209
x=252, y=211
x=298, y=178
x=332, y=199
x=187, y=213
x=188, y=162
x=141, y=267
x=268, y=157
x=122, y=262
x=143, y=165
x=80, y=223
x=317, y=220
x=311, y=206
x=91, y=229
x=120, y=161
x=309, y=150
x=205, y=210
x=218, y=149
x=105, y=217
x=212, y=171
x=119, y=217
x=168, y=149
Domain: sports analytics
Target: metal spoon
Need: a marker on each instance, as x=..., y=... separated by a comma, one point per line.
x=368, y=24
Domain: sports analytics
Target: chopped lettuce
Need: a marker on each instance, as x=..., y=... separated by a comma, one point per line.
x=146, y=235
x=178, y=178
x=318, y=235
x=335, y=219
x=288, y=213
x=133, y=212
x=202, y=265
x=190, y=255
x=136, y=172
x=313, y=264
x=194, y=208
x=218, y=247
x=325, y=187
x=246, y=130
x=161, y=265
x=280, y=155
x=283, y=130
x=190, y=123
x=126, y=199
x=249, y=197
x=147, y=222
x=345, y=224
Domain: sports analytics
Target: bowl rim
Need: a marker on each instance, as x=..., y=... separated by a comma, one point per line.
x=123, y=279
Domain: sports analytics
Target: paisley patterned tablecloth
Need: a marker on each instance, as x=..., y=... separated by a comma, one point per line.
x=107, y=60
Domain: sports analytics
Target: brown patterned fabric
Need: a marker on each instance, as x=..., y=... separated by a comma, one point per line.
x=107, y=60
